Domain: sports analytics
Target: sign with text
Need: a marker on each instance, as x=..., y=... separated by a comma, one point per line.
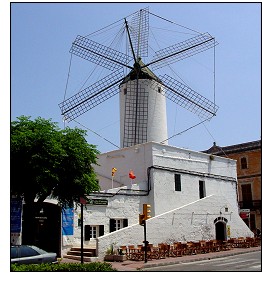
x=99, y=202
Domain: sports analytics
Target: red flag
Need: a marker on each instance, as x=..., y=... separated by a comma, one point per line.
x=132, y=175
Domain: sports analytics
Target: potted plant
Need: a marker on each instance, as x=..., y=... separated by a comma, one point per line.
x=120, y=256
x=109, y=253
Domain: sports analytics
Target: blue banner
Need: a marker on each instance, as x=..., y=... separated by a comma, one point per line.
x=68, y=221
x=16, y=215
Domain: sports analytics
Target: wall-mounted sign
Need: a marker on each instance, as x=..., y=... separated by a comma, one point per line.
x=244, y=213
x=244, y=210
x=99, y=202
x=228, y=231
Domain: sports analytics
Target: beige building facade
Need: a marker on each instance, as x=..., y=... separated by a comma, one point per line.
x=248, y=157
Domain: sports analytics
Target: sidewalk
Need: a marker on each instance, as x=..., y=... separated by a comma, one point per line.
x=130, y=265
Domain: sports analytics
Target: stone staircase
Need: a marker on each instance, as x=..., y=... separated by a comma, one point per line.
x=89, y=254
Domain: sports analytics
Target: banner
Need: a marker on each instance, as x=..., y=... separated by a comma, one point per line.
x=67, y=221
x=16, y=215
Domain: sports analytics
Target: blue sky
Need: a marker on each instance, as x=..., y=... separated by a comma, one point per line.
x=42, y=34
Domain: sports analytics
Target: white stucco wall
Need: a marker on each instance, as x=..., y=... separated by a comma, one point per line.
x=140, y=157
x=192, y=222
x=176, y=215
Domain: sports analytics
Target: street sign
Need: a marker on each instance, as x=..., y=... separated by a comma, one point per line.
x=244, y=210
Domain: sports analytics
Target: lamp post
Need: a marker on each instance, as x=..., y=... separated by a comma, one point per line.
x=82, y=234
x=82, y=203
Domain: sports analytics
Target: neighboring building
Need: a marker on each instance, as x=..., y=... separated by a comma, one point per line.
x=193, y=196
x=248, y=157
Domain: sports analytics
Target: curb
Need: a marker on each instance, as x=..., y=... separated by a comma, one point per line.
x=140, y=265
x=211, y=256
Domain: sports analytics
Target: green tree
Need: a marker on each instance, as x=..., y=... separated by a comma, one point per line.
x=49, y=161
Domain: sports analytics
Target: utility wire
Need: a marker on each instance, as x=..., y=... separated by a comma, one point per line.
x=68, y=74
x=174, y=23
x=184, y=130
x=97, y=134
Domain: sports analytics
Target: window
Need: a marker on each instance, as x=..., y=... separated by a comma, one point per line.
x=116, y=224
x=246, y=193
x=243, y=162
x=202, y=189
x=93, y=231
x=125, y=91
x=177, y=182
x=159, y=89
x=14, y=253
x=28, y=252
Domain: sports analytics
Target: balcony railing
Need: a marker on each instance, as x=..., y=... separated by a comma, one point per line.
x=255, y=204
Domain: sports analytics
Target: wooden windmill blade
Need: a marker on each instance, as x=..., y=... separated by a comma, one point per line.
x=91, y=96
x=139, y=32
x=182, y=50
x=187, y=98
x=99, y=54
x=142, y=111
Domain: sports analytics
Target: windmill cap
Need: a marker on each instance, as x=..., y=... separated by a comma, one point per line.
x=144, y=73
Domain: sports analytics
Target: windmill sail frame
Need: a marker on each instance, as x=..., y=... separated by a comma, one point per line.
x=136, y=117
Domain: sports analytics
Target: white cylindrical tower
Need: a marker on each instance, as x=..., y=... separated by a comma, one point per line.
x=142, y=109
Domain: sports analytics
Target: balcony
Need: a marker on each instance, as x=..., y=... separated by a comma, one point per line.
x=252, y=205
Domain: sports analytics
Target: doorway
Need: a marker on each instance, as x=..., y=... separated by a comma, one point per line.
x=41, y=226
x=221, y=231
x=221, y=228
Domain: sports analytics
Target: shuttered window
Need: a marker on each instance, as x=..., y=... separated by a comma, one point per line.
x=243, y=162
x=93, y=231
x=246, y=192
x=116, y=224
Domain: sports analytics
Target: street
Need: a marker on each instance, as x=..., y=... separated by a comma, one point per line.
x=243, y=262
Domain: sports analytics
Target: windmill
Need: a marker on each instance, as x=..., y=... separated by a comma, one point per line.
x=142, y=93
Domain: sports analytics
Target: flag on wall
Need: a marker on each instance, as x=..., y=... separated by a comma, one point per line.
x=131, y=174
x=114, y=170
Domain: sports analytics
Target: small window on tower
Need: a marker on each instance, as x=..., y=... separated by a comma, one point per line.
x=202, y=189
x=159, y=89
x=125, y=91
x=177, y=182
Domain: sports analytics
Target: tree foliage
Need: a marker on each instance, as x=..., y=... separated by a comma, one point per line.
x=49, y=161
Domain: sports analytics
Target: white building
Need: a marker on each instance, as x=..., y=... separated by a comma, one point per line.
x=192, y=195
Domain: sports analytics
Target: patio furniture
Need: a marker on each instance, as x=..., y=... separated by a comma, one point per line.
x=124, y=250
x=203, y=247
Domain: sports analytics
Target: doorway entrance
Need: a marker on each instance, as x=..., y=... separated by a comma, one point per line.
x=221, y=230
x=41, y=226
